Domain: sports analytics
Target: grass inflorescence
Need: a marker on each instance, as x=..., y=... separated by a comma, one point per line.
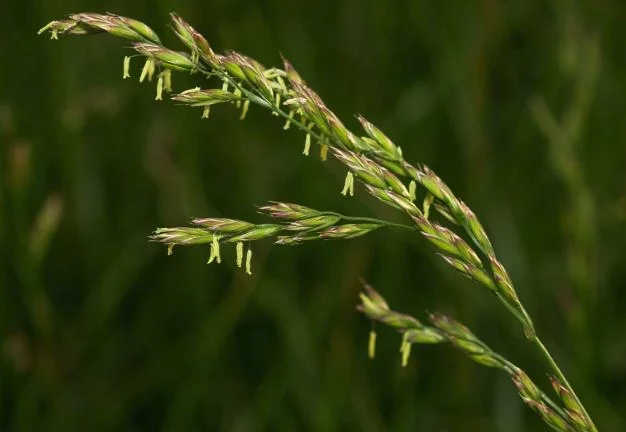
x=369, y=157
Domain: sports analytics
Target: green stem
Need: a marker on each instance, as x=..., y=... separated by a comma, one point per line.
x=361, y=219
x=555, y=368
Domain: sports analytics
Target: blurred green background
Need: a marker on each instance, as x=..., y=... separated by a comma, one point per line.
x=519, y=106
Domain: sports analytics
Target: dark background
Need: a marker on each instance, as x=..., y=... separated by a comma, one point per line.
x=519, y=106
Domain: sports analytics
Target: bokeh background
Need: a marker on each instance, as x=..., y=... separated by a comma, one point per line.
x=519, y=106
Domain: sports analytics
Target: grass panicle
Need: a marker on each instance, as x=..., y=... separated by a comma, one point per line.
x=374, y=161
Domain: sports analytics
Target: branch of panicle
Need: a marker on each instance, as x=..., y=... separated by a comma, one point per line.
x=445, y=329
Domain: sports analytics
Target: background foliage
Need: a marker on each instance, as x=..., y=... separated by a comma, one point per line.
x=517, y=105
